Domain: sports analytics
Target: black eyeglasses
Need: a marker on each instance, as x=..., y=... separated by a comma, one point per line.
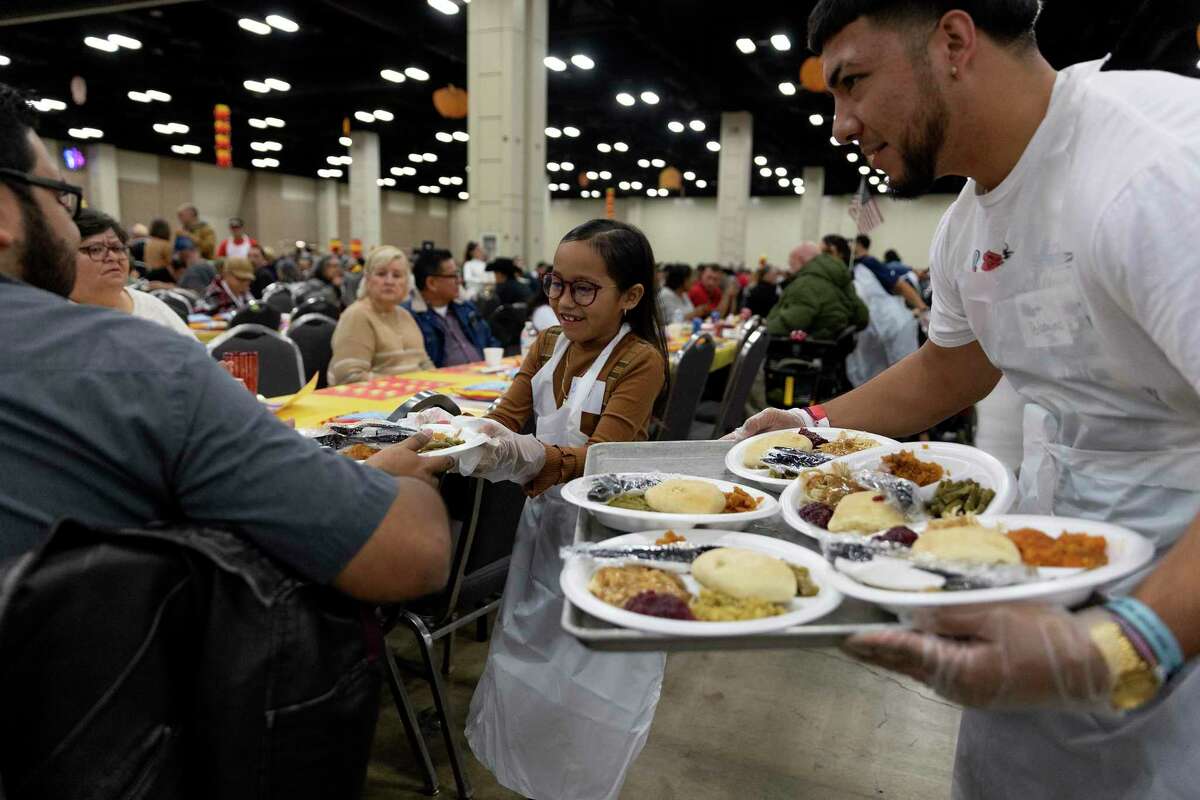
x=70, y=195
x=583, y=292
x=96, y=251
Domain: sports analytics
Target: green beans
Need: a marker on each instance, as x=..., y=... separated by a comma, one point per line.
x=956, y=498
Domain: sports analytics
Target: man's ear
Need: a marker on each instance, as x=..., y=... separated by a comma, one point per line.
x=634, y=295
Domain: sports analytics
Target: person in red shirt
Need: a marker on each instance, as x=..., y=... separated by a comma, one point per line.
x=238, y=245
x=705, y=293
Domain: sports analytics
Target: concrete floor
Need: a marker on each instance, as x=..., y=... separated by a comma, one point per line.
x=767, y=725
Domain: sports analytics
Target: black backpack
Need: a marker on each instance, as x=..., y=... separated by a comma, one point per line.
x=179, y=663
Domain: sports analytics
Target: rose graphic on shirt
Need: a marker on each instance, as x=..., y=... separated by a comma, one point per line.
x=992, y=259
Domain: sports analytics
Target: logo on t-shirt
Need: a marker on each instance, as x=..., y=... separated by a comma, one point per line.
x=990, y=259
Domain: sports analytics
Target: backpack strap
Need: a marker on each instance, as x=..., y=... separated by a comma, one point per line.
x=548, y=343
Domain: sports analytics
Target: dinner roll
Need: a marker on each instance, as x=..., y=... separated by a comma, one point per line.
x=745, y=574
x=864, y=512
x=752, y=455
x=973, y=543
x=683, y=496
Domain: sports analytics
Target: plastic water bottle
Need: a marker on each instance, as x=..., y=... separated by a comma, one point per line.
x=528, y=336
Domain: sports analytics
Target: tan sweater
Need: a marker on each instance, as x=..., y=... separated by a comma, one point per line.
x=367, y=344
x=625, y=412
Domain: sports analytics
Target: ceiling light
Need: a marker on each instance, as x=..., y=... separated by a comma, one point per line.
x=555, y=63
x=274, y=147
x=873, y=180
x=652, y=192
x=798, y=190
x=649, y=98
x=347, y=160
x=460, y=136
x=384, y=115
x=780, y=172
x=364, y=116
x=429, y=156
x=625, y=99
x=592, y=175
x=392, y=75
x=643, y=162
x=713, y=145
x=121, y=40
x=435, y=189
x=797, y=181
x=417, y=157
x=443, y=180
x=765, y=172
x=257, y=123
x=385, y=181
x=700, y=184
x=261, y=147
x=410, y=171
x=282, y=23
x=604, y=147
x=747, y=46
x=416, y=73
x=277, y=85
x=552, y=166
x=85, y=133
x=852, y=157
x=605, y=175
x=635, y=185
x=155, y=94
x=274, y=122
x=663, y=192
x=788, y=88
x=689, y=176
x=254, y=26
x=256, y=86
x=572, y=131
x=658, y=163
x=553, y=132
x=623, y=186
x=864, y=170
x=464, y=195
x=5, y=61
x=345, y=141
x=423, y=189
x=265, y=162
x=335, y=160
x=760, y=161
x=334, y=173
x=456, y=181
x=447, y=7
x=816, y=119
x=47, y=104
x=567, y=166
x=697, y=125
x=780, y=41
x=163, y=128
x=139, y=97
x=582, y=61
x=442, y=136
x=784, y=183
x=833, y=141
x=675, y=126
x=396, y=171
x=620, y=147
x=101, y=44
x=882, y=188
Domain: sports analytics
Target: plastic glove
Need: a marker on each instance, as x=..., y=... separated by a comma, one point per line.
x=505, y=456
x=1014, y=655
x=772, y=419
x=430, y=416
x=402, y=461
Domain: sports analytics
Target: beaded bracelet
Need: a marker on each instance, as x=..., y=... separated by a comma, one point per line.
x=1150, y=629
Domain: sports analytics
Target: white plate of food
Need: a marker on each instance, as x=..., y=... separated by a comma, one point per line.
x=631, y=501
x=957, y=480
x=748, y=564
x=448, y=440
x=1066, y=569
x=743, y=457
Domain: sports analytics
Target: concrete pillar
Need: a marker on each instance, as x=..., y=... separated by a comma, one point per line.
x=506, y=79
x=810, y=206
x=327, y=212
x=102, y=179
x=365, y=194
x=733, y=185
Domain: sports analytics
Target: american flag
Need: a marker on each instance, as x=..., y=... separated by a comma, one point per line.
x=863, y=208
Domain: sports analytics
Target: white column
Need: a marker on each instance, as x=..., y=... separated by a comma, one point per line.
x=102, y=179
x=506, y=79
x=733, y=185
x=810, y=206
x=327, y=212
x=365, y=194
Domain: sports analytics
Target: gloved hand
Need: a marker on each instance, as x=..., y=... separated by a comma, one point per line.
x=505, y=456
x=1013, y=655
x=772, y=419
x=430, y=416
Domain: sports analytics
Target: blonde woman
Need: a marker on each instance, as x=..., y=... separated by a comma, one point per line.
x=375, y=336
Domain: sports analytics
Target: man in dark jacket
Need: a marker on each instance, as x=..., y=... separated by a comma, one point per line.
x=820, y=300
x=454, y=331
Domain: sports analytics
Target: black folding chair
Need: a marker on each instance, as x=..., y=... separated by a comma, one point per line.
x=317, y=304
x=802, y=373
x=748, y=363
x=710, y=409
x=279, y=297
x=313, y=334
x=177, y=302
x=687, y=384
x=280, y=365
x=257, y=314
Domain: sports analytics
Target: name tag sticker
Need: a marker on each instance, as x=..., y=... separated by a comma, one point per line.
x=1045, y=318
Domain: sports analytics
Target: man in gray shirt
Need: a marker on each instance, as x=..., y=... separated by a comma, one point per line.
x=111, y=433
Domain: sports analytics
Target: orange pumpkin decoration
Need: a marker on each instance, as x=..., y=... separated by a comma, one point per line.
x=583, y=180
x=811, y=76
x=451, y=102
x=670, y=179
x=222, y=126
x=222, y=141
x=221, y=111
x=224, y=158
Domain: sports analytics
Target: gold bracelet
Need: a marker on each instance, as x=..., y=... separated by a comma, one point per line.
x=1134, y=682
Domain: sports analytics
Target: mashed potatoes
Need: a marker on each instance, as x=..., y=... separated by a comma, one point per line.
x=683, y=496
x=966, y=540
x=864, y=512
x=752, y=455
x=745, y=574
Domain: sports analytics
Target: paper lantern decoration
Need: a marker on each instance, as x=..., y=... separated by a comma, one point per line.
x=335, y=246
x=222, y=145
x=345, y=126
x=451, y=102
x=583, y=180
x=670, y=179
x=356, y=248
x=610, y=203
x=78, y=90
x=811, y=76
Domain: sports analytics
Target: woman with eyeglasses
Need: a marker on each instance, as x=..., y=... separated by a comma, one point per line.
x=102, y=273
x=548, y=712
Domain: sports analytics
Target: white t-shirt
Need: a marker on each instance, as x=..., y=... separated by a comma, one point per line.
x=476, y=276
x=147, y=306
x=543, y=318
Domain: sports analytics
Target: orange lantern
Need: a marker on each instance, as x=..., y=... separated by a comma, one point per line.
x=670, y=179
x=224, y=158
x=610, y=203
x=221, y=112
x=583, y=180
x=451, y=102
x=221, y=140
x=811, y=76
x=345, y=126
x=335, y=246
x=221, y=130
x=356, y=248
x=222, y=126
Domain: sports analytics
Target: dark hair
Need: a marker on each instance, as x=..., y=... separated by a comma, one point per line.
x=629, y=259
x=504, y=266
x=16, y=121
x=891, y=255
x=840, y=244
x=159, y=229
x=319, y=272
x=675, y=276
x=1008, y=22
x=863, y=241
x=467, y=255
x=236, y=222
x=426, y=264
x=91, y=222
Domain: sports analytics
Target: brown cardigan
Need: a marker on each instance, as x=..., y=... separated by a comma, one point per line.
x=627, y=406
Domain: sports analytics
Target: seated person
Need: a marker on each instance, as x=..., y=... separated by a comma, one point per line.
x=510, y=288
x=674, y=303
x=764, y=294
x=541, y=315
x=156, y=253
x=375, y=336
x=229, y=291
x=706, y=292
x=820, y=300
x=102, y=272
x=453, y=330
x=264, y=269
x=328, y=280
x=889, y=279
x=134, y=424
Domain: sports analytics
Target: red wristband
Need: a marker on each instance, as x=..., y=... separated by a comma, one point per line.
x=820, y=418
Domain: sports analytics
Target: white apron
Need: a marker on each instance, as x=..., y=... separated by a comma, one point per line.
x=890, y=335
x=550, y=718
x=1101, y=442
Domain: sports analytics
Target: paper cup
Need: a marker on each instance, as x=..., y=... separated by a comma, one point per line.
x=493, y=356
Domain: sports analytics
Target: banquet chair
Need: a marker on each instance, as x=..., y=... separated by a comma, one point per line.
x=280, y=365
x=256, y=313
x=799, y=374
x=177, y=302
x=709, y=411
x=687, y=384
x=507, y=322
x=317, y=304
x=313, y=334
x=279, y=297
x=747, y=364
